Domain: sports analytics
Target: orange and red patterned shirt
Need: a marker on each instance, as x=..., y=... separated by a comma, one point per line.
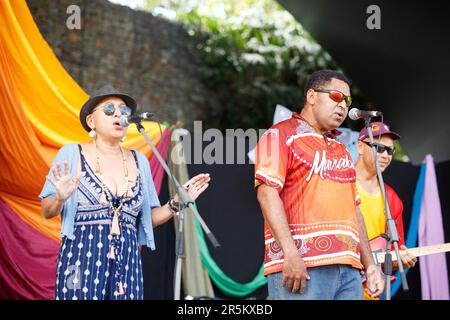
x=315, y=178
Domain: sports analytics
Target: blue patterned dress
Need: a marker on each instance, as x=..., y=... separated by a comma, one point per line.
x=87, y=270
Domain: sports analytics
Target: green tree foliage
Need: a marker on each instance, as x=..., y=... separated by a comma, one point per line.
x=255, y=54
x=253, y=66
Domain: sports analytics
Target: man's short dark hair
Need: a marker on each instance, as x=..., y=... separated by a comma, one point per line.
x=319, y=79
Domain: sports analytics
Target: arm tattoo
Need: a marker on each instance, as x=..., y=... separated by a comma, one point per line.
x=366, y=252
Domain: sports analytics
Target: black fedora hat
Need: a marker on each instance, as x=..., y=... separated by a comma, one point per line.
x=100, y=94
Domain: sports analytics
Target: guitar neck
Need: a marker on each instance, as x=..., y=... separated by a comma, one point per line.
x=418, y=252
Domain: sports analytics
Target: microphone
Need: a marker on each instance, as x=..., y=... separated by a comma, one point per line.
x=356, y=114
x=125, y=121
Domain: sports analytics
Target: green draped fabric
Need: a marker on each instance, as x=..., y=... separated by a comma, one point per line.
x=194, y=277
x=227, y=285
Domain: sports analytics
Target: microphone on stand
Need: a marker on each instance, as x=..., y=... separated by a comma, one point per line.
x=356, y=114
x=125, y=121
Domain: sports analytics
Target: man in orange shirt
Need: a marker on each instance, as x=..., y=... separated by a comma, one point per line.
x=315, y=237
x=372, y=204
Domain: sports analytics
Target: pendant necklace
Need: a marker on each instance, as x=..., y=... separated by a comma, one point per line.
x=115, y=229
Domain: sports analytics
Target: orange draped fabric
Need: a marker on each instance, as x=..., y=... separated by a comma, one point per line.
x=39, y=104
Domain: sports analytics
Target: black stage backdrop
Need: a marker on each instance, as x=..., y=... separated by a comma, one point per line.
x=230, y=209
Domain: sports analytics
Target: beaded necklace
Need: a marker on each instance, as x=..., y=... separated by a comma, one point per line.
x=115, y=229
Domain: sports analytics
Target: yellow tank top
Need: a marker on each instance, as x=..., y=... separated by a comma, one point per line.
x=372, y=209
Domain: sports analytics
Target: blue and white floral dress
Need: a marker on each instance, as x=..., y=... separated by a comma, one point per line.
x=95, y=265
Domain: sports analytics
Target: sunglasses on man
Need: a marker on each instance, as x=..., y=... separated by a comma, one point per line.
x=381, y=147
x=109, y=109
x=336, y=96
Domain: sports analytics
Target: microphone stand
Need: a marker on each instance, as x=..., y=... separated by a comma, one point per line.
x=186, y=201
x=391, y=234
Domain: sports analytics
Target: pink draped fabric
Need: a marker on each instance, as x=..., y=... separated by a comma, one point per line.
x=433, y=268
x=28, y=259
x=157, y=169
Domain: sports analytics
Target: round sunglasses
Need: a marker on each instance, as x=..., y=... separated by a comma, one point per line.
x=109, y=109
x=381, y=147
x=336, y=96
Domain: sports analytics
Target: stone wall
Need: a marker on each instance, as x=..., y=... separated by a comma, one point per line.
x=151, y=58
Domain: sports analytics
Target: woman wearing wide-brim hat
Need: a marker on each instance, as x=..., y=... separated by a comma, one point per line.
x=108, y=205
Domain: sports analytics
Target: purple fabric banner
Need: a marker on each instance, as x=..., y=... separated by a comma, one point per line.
x=433, y=268
x=27, y=259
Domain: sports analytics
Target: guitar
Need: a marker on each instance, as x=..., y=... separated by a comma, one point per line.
x=378, y=247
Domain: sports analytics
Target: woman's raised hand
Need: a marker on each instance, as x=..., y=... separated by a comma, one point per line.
x=63, y=182
x=196, y=185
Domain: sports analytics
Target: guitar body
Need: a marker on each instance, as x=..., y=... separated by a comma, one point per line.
x=378, y=247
